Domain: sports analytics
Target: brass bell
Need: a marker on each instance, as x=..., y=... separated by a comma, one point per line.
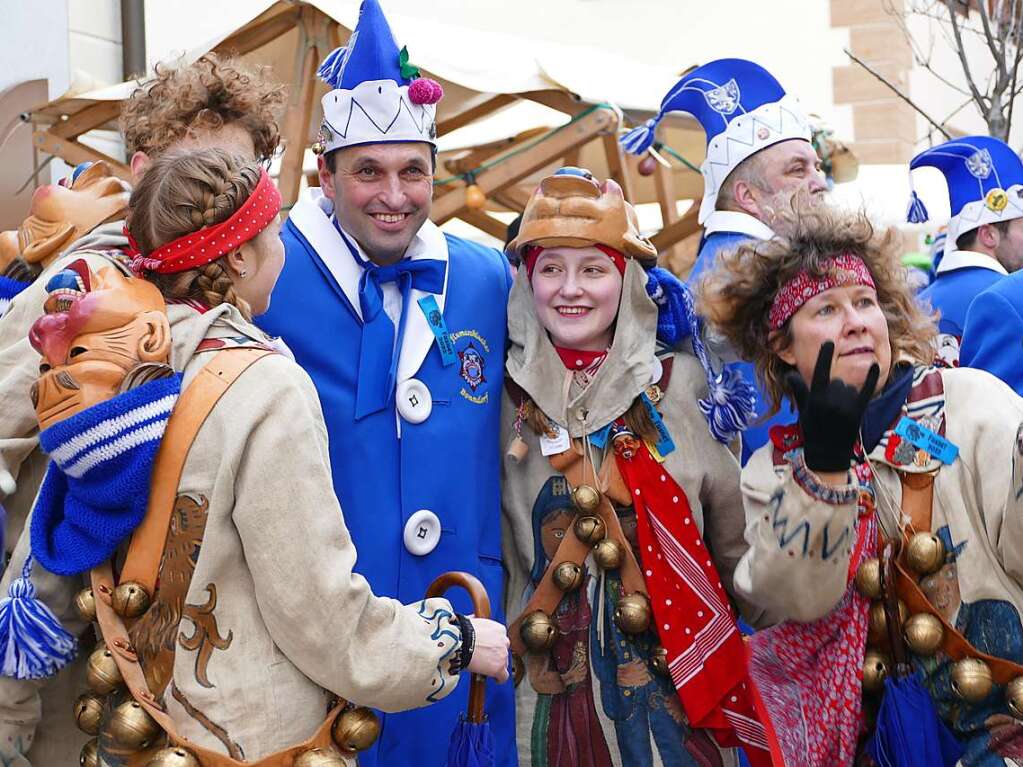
x=924, y=633
x=537, y=631
x=608, y=554
x=355, y=729
x=130, y=600
x=568, y=576
x=173, y=757
x=88, y=712
x=586, y=498
x=1014, y=697
x=320, y=757
x=877, y=627
x=90, y=754
x=971, y=679
x=101, y=673
x=590, y=530
x=875, y=671
x=85, y=603
x=868, y=578
x=925, y=553
x=632, y=615
x=132, y=726
x=659, y=660
x=518, y=669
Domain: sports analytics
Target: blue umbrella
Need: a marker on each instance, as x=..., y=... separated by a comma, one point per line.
x=909, y=732
x=472, y=743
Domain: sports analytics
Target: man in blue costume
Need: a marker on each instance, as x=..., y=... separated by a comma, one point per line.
x=985, y=233
x=759, y=156
x=402, y=329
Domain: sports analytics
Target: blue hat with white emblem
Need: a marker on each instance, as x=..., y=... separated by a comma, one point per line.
x=377, y=96
x=985, y=183
x=742, y=109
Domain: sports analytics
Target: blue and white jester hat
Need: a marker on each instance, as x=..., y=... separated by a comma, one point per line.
x=985, y=183
x=376, y=96
x=742, y=109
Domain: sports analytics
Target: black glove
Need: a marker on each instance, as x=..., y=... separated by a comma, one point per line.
x=830, y=413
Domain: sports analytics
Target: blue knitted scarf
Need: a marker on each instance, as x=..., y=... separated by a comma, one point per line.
x=94, y=495
x=8, y=290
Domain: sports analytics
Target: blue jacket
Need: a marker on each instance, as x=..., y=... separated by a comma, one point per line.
x=757, y=434
x=993, y=336
x=955, y=287
x=448, y=464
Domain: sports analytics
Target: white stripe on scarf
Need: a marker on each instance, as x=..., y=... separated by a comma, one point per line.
x=111, y=427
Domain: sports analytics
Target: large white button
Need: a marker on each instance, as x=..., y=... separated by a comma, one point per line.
x=422, y=532
x=414, y=401
x=656, y=370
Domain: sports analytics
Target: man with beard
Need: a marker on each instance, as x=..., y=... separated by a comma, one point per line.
x=759, y=157
x=985, y=234
x=212, y=102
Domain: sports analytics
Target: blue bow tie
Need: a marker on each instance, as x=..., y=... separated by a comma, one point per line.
x=378, y=352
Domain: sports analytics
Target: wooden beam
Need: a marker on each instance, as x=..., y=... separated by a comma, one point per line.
x=250, y=38
x=74, y=153
x=506, y=173
x=512, y=198
x=678, y=231
x=485, y=223
x=300, y=109
x=475, y=113
x=562, y=101
x=616, y=163
x=664, y=183
x=480, y=154
x=90, y=118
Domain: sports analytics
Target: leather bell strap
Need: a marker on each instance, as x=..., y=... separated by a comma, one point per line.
x=194, y=405
x=115, y=635
x=917, y=502
x=548, y=596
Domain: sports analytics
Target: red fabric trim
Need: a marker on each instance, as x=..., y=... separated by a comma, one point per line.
x=694, y=620
x=211, y=242
x=575, y=359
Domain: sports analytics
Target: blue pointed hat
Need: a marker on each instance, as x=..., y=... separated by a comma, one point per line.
x=742, y=109
x=376, y=95
x=985, y=183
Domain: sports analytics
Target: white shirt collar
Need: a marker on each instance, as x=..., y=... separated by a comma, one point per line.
x=734, y=221
x=961, y=259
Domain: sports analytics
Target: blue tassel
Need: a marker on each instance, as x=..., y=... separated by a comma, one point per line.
x=732, y=401
x=332, y=68
x=640, y=139
x=917, y=213
x=730, y=406
x=34, y=643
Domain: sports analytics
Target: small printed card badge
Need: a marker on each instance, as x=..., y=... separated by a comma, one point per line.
x=440, y=329
x=557, y=442
x=925, y=439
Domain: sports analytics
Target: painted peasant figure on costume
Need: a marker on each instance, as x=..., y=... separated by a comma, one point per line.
x=622, y=514
x=884, y=526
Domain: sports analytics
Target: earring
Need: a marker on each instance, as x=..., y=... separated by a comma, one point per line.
x=242, y=273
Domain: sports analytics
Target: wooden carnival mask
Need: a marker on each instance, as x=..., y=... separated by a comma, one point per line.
x=102, y=334
x=571, y=209
x=58, y=216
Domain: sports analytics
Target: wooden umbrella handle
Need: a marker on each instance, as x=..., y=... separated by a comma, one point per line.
x=481, y=609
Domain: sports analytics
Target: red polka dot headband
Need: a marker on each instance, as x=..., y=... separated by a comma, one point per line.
x=532, y=252
x=211, y=242
x=843, y=269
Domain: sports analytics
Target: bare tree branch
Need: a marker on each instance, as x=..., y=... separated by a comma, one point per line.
x=897, y=92
x=950, y=4
x=992, y=43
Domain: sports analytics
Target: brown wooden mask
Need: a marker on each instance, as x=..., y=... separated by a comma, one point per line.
x=102, y=334
x=575, y=211
x=59, y=215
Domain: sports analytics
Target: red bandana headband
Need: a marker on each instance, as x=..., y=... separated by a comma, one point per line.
x=211, y=242
x=532, y=252
x=843, y=269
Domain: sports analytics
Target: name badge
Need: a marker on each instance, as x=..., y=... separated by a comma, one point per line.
x=435, y=320
x=665, y=444
x=559, y=443
x=924, y=439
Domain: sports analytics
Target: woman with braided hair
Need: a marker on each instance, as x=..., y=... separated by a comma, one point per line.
x=622, y=513
x=885, y=524
x=249, y=622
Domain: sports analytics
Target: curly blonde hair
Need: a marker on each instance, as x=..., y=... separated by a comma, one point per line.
x=736, y=295
x=181, y=193
x=206, y=95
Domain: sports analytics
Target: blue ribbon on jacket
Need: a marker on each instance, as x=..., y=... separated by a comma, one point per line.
x=378, y=352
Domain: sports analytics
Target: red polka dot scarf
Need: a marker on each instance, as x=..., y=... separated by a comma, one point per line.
x=211, y=242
